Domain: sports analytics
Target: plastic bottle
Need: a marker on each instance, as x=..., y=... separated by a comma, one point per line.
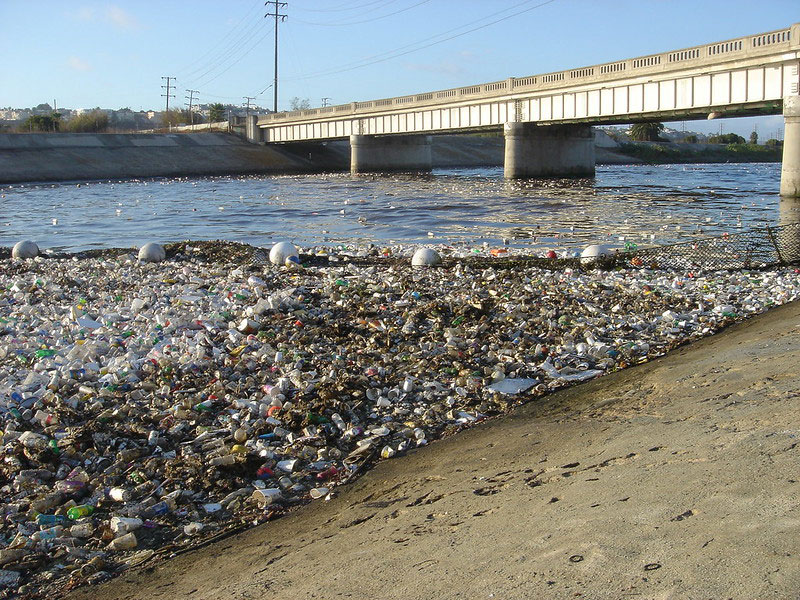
x=34, y=441
x=80, y=511
x=125, y=542
x=327, y=473
x=50, y=519
x=163, y=507
x=82, y=530
x=123, y=525
x=338, y=421
x=47, y=534
x=45, y=418
x=118, y=494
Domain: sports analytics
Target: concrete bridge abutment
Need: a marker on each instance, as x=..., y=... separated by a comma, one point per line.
x=790, y=169
x=255, y=135
x=548, y=150
x=370, y=154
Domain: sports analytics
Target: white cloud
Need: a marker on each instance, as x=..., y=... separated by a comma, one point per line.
x=121, y=18
x=86, y=13
x=75, y=63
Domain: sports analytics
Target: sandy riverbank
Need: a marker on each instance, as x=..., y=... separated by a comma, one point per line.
x=673, y=479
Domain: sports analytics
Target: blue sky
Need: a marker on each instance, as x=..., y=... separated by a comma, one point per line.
x=114, y=54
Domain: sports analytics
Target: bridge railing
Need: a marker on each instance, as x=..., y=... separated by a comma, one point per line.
x=686, y=58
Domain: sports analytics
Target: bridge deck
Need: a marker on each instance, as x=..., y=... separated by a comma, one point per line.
x=748, y=75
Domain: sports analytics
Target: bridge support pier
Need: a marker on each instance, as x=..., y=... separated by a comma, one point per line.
x=255, y=135
x=391, y=153
x=790, y=169
x=548, y=150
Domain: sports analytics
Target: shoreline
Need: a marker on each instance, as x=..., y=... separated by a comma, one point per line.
x=673, y=479
x=236, y=390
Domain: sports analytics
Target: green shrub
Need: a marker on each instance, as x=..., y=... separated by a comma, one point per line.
x=95, y=121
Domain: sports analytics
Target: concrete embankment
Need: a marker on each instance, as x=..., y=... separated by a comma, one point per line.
x=67, y=157
x=76, y=157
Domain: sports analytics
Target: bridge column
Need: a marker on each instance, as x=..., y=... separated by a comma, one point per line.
x=390, y=153
x=548, y=150
x=255, y=134
x=790, y=170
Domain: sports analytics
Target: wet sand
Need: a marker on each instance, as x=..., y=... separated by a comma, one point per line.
x=674, y=479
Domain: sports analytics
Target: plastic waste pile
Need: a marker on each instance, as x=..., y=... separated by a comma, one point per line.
x=148, y=405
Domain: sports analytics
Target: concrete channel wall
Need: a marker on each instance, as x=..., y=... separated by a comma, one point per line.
x=71, y=157
x=79, y=157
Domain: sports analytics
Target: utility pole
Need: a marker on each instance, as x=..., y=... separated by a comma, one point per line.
x=168, y=96
x=325, y=102
x=278, y=19
x=247, y=100
x=190, y=98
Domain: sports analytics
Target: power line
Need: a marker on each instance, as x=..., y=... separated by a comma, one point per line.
x=349, y=8
x=221, y=42
x=390, y=54
x=397, y=12
x=225, y=57
x=278, y=18
x=234, y=63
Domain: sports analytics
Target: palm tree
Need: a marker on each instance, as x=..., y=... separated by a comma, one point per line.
x=646, y=132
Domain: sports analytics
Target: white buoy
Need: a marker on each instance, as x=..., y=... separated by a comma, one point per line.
x=281, y=252
x=426, y=257
x=152, y=252
x=25, y=249
x=592, y=252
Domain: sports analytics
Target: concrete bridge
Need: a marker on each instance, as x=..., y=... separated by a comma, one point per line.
x=547, y=119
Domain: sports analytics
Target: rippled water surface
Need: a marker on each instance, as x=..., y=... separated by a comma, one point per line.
x=464, y=207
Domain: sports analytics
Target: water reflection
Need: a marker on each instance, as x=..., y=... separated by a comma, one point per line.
x=467, y=207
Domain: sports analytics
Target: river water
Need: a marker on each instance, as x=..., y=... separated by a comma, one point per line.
x=466, y=208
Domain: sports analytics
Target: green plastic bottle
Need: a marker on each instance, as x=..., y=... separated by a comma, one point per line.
x=80, y=511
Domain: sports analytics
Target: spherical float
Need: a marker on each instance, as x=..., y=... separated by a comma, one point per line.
x=281, y=251
x=152, y=252
x=25, y=249
x=426, y=257
x=552, y=254
x=594, y=251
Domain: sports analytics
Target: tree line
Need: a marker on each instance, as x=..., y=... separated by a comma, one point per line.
x=98, y=121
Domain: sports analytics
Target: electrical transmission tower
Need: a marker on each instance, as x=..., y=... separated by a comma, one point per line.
x=278, y=19
x=190, y=97
x=167, y=87
x=325, y=102
x=247, y=106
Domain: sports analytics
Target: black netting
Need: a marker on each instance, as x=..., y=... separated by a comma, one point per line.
x=752, y=249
